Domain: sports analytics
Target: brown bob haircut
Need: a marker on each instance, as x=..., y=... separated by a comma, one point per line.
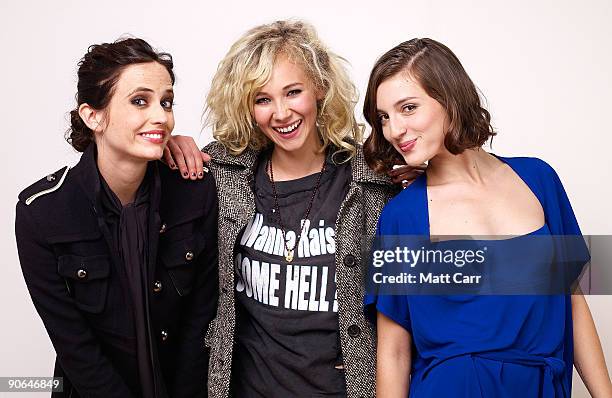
x=441, y=75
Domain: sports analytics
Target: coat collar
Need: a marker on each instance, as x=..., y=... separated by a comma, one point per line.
x=88, y=177
x=360, y=171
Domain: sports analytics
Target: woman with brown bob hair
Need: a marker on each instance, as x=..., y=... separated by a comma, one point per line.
x=424, y=108
x=443, y=78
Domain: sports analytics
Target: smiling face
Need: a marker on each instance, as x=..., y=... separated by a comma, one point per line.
x=412, y=121
x=138, y=120
x=285, y=109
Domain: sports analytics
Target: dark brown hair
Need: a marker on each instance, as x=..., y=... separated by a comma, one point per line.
x=99, y=71
x=441, y=75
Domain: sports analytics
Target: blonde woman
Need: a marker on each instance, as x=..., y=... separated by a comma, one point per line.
x=296, y=201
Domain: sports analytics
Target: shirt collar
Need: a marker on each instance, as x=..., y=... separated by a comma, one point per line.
x=88, y=176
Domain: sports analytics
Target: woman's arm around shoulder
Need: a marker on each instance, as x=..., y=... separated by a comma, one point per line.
x=182, y=154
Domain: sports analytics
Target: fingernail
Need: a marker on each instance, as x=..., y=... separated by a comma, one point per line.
x=172, y=165
x=193, y=174
x=200, y=174
x=185, y=174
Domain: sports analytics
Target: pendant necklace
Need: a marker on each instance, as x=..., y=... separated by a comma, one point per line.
x=276, y=209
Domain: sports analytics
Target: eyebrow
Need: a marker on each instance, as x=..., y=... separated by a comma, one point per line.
x=148, y=90
x=291, y=85
x=398, y=102
x=288, y=86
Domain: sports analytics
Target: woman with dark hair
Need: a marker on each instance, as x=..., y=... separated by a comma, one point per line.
x=423, y=107
x=119, y=254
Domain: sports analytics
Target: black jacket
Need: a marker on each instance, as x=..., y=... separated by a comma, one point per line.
x=79, y=289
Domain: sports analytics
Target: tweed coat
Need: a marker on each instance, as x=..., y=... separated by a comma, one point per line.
x=355, y=226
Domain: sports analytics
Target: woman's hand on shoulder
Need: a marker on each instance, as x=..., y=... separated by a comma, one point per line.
x=404, y=174
x=182, y=153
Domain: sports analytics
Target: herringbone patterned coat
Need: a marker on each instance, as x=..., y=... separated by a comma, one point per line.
x=355, y=226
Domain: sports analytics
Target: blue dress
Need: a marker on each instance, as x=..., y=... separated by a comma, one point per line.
x=485, y=346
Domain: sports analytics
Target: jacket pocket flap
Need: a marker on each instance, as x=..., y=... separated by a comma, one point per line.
x=177, y=253
x=83, y=268
x=179, y=258
x=176, y=217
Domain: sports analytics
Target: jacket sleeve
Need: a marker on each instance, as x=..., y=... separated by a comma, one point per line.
x=78, y=350
x=190, y=379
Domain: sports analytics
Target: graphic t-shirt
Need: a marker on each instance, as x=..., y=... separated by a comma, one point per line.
x=287, y=341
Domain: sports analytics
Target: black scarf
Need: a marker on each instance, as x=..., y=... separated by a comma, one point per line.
x=128, y=227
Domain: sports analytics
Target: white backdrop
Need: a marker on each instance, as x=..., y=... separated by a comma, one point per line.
x=544, y=67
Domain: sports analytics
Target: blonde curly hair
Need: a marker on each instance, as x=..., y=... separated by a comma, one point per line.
x=247, y=67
